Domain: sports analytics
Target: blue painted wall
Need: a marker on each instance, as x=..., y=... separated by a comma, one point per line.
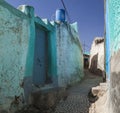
x=107, y=42
x=52, y=62
x=69, y=54
x=113, y=45
x=17, y=45
x=14, y=33
x=17, y=48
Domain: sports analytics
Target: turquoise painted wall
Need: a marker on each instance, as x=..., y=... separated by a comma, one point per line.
x=69, y=54
x=52, y=63
x=113, y=13
x=113, y=39
x=17, y=39
x=107, y=41
x=112, y=32
x=17, y=44
x=112, y=17
x=52, y=56
x=52, y=59
x=14, y=33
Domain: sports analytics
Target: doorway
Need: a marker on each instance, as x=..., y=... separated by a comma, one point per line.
x=40, y=71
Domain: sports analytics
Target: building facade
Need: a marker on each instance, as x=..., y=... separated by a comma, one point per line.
x=69, y=54
x=35, y=54
x=96, y=64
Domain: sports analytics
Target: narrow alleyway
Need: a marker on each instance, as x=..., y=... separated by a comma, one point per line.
x=77, y=100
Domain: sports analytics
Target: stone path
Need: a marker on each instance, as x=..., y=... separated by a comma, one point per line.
x=77, y=101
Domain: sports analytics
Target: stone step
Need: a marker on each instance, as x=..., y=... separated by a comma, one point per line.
x=95, y=90
x=99, y=90
x=103, y=84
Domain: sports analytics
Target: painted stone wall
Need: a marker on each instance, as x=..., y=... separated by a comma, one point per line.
x=13, y=51
x=97, y=56
x=17, y=45
x=113, y=36
x=69, y=55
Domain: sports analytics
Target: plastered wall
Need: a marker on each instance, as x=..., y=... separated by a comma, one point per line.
x=69, y=55
x=13, y=51
x=113, y=36
x=96, y=64
x=17, y=39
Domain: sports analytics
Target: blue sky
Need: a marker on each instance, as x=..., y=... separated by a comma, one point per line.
x=88, y=13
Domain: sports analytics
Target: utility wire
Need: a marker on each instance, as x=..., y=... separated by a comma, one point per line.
x=69, y=20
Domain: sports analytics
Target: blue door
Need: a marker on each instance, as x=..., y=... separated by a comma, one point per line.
x=40, y=57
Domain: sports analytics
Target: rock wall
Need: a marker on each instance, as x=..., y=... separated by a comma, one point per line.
x=113, y=36
x=69, y=55
x=96, y=64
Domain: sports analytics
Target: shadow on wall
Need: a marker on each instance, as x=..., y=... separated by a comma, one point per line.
x=114, y=92
x=93, y=66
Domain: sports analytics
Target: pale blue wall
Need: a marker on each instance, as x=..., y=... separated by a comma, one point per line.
x=14, y=33
x=107, y=41
x=69, y=55
x=113, y=45
x=17, y=39
x=113, y=24
x=17, y=44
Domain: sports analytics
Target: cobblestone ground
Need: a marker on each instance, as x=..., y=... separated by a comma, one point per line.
x=77, y=101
